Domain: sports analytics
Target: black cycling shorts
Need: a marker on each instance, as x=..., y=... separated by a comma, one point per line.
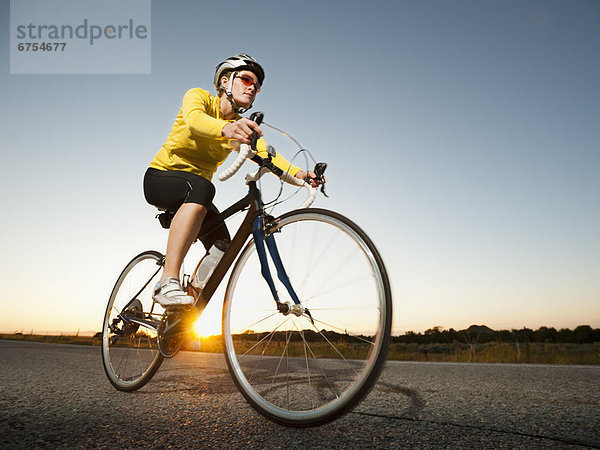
x=169, y=189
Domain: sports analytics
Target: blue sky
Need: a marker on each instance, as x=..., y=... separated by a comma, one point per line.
x=462, y=136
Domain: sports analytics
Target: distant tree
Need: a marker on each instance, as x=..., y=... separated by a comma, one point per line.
x=583, y=334
x=449, y=336
x=565, y=335
x=481, y=334
x=434, y=335
x=545, y=334
x=435, y=330
x=524, y=334
x=409, y=337
x=504, y=336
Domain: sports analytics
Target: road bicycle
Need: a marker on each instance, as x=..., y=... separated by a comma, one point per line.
x=303, y=347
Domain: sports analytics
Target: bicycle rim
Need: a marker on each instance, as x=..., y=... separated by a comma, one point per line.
x=307, y=370
x=129, y=351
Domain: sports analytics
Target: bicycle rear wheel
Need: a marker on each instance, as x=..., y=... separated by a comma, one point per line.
x=309, y=369
x=130, y=354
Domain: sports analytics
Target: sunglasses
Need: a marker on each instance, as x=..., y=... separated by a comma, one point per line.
x=248, y=81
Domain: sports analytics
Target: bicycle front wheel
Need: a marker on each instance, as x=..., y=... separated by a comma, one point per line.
x=129, y=349
x=308, y=369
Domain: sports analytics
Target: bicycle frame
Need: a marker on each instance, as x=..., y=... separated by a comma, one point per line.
x=253, y=224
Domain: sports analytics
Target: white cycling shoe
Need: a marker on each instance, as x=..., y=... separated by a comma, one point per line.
x=169, y=293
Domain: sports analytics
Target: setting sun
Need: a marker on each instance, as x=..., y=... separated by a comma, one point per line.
x=209, y=323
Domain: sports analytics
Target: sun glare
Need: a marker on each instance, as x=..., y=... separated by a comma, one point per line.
x=209, y=323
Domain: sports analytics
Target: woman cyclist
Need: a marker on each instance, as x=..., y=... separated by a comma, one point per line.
x=206, y=130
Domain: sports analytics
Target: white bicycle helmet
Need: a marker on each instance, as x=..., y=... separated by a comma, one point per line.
x=238, y=62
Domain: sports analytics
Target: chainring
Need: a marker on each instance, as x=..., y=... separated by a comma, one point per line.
x=170, y=333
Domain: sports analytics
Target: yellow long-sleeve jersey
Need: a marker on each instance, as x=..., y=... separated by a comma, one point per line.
x=195, y=143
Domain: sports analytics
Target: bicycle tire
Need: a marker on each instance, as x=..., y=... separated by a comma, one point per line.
x=130, y=355
x=343, y=372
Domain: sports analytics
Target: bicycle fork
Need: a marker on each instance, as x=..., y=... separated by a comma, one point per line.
x=259, y=240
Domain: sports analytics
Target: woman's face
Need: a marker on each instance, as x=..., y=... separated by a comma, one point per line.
x=245, y=87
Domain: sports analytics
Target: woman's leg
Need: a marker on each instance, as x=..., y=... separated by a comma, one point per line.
x=188, y=194
x=184, y=229
x=213, y=228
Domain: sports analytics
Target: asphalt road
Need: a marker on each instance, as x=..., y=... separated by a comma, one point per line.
x=58, y=396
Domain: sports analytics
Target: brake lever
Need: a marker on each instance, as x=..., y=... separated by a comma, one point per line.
x=257, y=117
x=319, y=176
x=323, y=190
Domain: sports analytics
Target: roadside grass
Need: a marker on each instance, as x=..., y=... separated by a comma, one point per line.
x=490, y=352
x=499, y=352
x=53, y=339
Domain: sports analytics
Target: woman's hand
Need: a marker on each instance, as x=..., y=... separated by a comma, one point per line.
x=241, y=130
x=310, y=178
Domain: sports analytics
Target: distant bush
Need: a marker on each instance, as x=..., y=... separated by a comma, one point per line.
x=583, y=334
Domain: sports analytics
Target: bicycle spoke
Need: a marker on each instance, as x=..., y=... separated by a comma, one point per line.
x=259, y=321
x=339, y=286
x=306, y=360
x=137, y=350
x=259, y=359
x=345, y=261
x=323, y=251
x=279, y=364
x=251, y=348
x=325, y=377
x=344, y=331
x=336, y=350
x=287, y=367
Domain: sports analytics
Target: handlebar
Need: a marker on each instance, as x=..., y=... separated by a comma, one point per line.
x=249, y=151
x=312, y=191
x=244, y=153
